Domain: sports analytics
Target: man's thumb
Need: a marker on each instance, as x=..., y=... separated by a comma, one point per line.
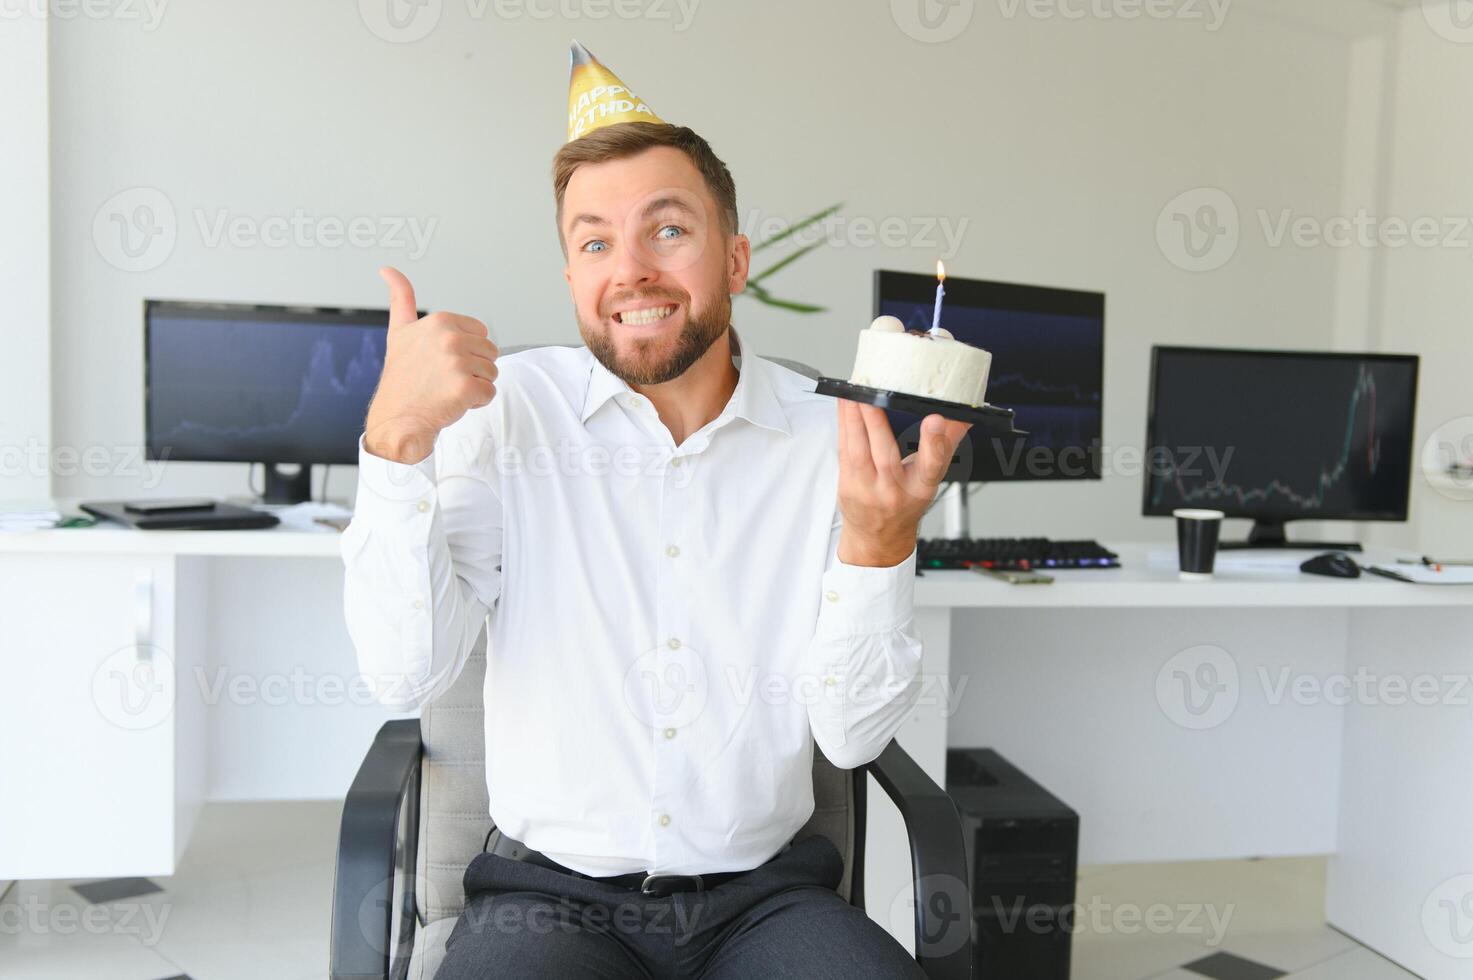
x=402, y=308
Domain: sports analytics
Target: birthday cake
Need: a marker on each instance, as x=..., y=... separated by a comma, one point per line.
x=931, y=364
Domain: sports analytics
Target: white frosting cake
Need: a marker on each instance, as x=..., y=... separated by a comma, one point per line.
x=925, y=363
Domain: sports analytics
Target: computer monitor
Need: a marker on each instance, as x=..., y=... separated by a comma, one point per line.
x=1048, y=357
x=247, y=383
x=1279, y=436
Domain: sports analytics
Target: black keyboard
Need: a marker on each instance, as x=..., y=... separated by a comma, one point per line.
x=1012, y=554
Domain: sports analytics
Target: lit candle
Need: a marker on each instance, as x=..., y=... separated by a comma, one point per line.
x=940, y=292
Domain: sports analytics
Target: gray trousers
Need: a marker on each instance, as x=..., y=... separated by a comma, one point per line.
x=782, y=919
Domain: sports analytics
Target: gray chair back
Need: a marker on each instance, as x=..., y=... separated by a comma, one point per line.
x=454, y=809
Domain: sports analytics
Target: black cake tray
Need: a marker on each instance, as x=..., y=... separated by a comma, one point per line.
x=986, y=419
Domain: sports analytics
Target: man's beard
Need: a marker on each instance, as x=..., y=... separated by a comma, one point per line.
x=696, y=337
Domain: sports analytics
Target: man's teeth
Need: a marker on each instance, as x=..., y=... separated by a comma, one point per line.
x=637, y=318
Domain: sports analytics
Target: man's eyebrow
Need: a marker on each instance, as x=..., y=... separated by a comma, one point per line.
x=661, y=203
x=589, y=219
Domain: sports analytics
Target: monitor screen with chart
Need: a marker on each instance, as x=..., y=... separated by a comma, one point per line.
x=1048, y=351
x=1278, y=436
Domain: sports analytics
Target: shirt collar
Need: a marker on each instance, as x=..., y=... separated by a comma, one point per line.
x=753, y=398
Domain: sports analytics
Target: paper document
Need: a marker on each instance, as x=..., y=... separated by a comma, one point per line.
x=1423, y=575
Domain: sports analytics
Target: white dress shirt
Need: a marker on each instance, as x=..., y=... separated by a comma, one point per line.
x=670, y=628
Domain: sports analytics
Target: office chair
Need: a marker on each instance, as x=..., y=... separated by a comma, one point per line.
x=418, y=812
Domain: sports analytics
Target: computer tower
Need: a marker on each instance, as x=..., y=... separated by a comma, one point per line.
x=1022, y=856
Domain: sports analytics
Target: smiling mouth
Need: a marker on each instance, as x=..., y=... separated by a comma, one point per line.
x=643, y=318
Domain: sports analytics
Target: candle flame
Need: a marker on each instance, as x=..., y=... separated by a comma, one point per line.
x=940, y=271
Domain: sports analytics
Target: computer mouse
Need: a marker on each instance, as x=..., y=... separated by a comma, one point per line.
x=1336, y=564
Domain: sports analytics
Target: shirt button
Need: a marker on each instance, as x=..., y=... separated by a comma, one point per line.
x=675, y=461
x=669, y=733
x=664, y=820
x=673, y=643
x=418, y=603
x=422, y=506
x=672, y=551
x=831, y=596
x=828, y=682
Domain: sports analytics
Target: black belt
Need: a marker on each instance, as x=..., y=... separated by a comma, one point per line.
x=657, y=886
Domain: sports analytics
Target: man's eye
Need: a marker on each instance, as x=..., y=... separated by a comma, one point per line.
x=662, y=233
x=595, y=246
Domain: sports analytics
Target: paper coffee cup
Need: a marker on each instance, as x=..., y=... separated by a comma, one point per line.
x=1196, y=541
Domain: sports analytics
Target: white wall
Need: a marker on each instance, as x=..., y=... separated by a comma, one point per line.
x=1425, y=295
x=25, y=381
x=1059, y=142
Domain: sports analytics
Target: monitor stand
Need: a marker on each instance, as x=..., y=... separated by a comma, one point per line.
x=1272, y=534
x=956, y=518
x=287, y=488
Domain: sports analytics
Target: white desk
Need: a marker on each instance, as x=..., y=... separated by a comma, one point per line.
x=1075, y=682
x=1315, y=742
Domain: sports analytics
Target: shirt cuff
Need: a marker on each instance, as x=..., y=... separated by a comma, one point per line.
x=393, y=481
x=859, y=599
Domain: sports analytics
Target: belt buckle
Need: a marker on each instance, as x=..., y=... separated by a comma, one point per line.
x=652, y=884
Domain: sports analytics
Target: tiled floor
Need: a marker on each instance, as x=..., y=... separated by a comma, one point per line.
x=250, y=901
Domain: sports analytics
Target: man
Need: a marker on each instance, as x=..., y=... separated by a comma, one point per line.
x=684, y=587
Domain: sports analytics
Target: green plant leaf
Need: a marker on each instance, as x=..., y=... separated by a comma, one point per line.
x=789, y=232
x=784, y=262
x=763, y=296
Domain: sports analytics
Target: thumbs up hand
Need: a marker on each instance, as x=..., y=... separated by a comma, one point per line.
x=436, y=369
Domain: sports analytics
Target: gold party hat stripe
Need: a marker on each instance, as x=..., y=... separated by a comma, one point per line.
x=597, y=97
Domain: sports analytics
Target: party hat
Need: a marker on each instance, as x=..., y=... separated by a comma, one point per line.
x=597, y=98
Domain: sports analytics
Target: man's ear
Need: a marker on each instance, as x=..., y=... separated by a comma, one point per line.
x=738, y=263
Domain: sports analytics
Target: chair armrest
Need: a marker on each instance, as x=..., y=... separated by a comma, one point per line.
x=938, y=864
x=377, y=842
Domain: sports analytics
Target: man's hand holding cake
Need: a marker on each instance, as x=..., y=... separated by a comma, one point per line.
x=882, y=496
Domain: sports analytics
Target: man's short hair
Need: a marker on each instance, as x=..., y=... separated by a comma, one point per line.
x=628, y=139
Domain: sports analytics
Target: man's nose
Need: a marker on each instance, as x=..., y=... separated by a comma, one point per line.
x=634, y=267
